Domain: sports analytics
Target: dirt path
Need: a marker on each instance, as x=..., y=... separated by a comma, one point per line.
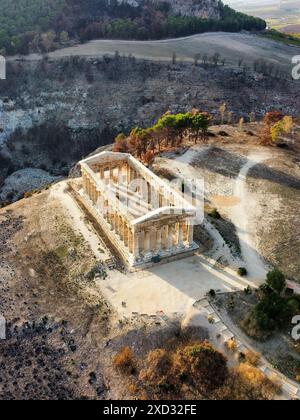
x=182, y=168
x=247, y=205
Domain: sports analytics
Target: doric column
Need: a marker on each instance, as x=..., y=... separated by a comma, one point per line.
x=117, y=223
x=111, y=173
x=105, y=210
x=129, y=239
x=87, y=184
x=190, y=234
x=88, y=187
x=170, y=237
x=149, y=192
x=165, y=239
x=136, y=245
x=129, y=172
x=101, y=172
x=112, y=219
x=126, y=235
x=161, y=198
x=92, y=191
x=147, y=241
x=133, y=176
x=172, y=199
x=180, y=234
x=120, y=172
x=185, y=232
x=159, y=239
x=95, y=193
x=121, y=228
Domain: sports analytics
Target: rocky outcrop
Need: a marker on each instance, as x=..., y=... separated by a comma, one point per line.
x=61, y=110
x=206, y=9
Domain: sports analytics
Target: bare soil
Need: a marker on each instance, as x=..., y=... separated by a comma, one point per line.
x=62, y=335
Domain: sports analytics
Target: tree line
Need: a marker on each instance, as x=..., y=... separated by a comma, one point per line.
x=43, y=25
x=155, y=23
x=169, y=131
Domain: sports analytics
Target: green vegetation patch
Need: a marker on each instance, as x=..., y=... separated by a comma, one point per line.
x=281, y=37
x=43, y=25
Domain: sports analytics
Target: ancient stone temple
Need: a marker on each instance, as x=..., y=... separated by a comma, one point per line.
x=144, y=218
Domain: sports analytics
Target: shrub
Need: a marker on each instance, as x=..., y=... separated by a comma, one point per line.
x=242, y=357
x=248, y=291
x=272, y=312
x=124, y=361
x=149, y=157
x=202, y=366
x=158, y=372
x=255, y=383
x=294, y=305
x=252, y=328
x=242, y=272
x=214, y=214
x=252, y=358
x=120, y=144
x=28, y=194
x=231, y=345
x=212, y=293
x=265, y=290
x=276, y=280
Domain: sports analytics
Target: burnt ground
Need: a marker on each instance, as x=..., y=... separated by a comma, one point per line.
x=51, y=317
x=62, y=335
x=68, y=107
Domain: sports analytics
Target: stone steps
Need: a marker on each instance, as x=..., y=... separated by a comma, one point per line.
x=111, y=263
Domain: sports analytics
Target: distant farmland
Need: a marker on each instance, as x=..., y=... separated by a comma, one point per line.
x=231, y=47
x=281, y=15
x=291, y=29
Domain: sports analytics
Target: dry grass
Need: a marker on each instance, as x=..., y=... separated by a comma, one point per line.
x=247, y=383
x=195, y=371
x=124, y=361
x=232, y=345
x=256, y=382
x=253, y=358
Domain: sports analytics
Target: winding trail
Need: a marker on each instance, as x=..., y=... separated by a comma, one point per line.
x=241, y=214
x=182, y=168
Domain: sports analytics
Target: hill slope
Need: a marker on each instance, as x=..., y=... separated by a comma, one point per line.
x=44, y=25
